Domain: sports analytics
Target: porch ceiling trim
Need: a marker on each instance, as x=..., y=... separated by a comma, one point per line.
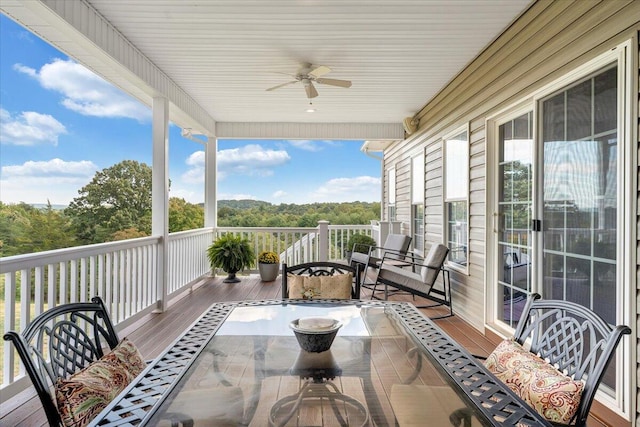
x=353, y=131
x=80, y=31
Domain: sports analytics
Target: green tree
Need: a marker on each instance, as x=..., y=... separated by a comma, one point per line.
x=25, y=229
x=117, y=198
x=184, y=215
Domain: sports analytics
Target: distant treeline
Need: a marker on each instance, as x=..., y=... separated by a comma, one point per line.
x=252, y=213
x=27, y=229
x=116, y=205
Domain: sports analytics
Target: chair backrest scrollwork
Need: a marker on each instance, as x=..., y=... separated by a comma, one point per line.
x=572, y=338
x=61, y=341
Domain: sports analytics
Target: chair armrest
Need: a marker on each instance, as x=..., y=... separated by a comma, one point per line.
x=393, y=258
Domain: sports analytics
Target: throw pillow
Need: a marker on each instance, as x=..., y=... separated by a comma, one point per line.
x=304, y=286
x=127, y=354
x=550, y=392
x=87, y=392
x=337, y=286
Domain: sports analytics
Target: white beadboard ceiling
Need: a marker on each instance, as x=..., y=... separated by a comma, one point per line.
x=224, y=54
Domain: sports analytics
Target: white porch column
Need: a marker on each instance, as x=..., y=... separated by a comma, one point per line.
x=385, y=230
x=211, y=183
x=160, y=193
x=323, y=240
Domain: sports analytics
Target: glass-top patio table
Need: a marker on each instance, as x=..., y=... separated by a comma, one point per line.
x=241, y=364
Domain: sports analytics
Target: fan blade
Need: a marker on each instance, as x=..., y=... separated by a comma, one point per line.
x=334, y=82
x=311, y=90
x=319, y=71
x=282, y=85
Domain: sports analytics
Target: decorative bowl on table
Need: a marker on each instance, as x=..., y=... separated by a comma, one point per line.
x=315, y=334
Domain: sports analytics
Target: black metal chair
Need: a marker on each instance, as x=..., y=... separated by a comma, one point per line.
x=60, y=342
x=319, y=269
x=573, y=339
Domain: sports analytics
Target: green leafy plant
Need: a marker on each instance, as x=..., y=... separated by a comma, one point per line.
x=230, y=253
x=362, y=242
x=268, y=257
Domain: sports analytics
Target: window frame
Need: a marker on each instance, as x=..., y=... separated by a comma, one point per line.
x=391, y=194
x=417, y=202
x=447, y=201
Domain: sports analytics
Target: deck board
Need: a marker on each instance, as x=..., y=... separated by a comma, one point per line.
x=156, y=331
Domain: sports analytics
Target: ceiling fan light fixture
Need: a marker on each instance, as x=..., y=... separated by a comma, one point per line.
x=308, y=75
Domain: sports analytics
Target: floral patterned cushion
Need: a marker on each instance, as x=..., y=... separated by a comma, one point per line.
x=303, y=287
x=87, y=392
x=127, y=354
x=550, y=392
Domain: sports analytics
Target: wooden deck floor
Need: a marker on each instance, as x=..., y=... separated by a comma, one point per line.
x=156, y=331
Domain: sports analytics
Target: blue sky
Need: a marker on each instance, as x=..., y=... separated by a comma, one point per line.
x=60, y=124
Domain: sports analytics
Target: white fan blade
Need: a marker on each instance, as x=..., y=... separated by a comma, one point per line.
x=311, y=90
x=282, y=85
x=319, y=71
x=334, y=82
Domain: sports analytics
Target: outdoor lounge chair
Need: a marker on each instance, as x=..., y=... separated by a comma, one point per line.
x=395, y=245
x=418, y=277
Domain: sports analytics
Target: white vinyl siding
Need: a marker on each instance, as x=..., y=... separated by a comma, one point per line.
x=549, y=40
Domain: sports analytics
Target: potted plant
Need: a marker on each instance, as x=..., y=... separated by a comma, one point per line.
x=232, y=254
x=362, y=242
x=268, y=265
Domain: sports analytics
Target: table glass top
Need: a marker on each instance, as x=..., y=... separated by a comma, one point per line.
x=254, y=372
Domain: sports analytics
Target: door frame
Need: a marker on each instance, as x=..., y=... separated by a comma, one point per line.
x=627, y=62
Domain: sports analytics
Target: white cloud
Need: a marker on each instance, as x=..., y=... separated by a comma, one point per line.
x=55, y=180
x=309, y=145
x=251, y=160
x=279, y=194
x=84, y=92
x=361, y=188
x=29, y=128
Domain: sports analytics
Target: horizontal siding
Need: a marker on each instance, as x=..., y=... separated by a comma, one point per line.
x=549, y=40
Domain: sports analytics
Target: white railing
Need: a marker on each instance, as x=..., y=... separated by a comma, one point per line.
x=187, y=258
x=294, y=245
x=126, y=275
x=298, y=245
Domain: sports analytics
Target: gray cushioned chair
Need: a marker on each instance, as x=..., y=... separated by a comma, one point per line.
x=420, y=278
x=395, y=247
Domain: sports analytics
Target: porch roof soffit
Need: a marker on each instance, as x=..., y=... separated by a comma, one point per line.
x=77, y=29
x=213, y=60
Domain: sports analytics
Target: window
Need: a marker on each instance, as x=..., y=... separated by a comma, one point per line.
x=391, y=203
x=456, y=190
x=417, y=202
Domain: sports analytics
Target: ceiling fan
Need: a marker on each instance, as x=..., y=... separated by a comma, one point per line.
x=308, y=74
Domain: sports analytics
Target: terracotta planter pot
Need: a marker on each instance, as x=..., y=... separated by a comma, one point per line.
x=268, y=272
